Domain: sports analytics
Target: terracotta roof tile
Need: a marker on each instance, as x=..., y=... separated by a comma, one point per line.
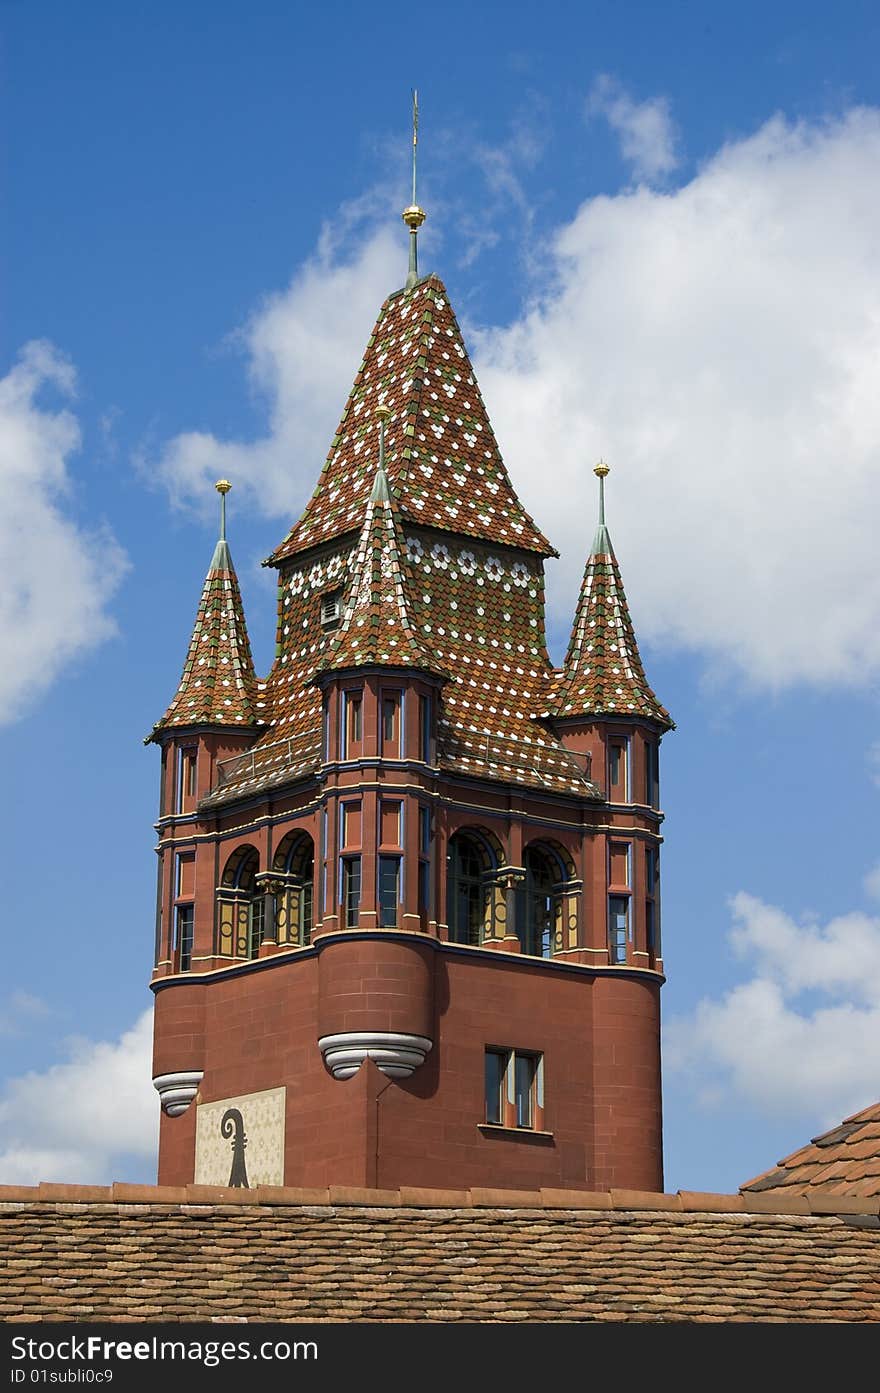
x=444, y=573
x=377, y=626
x=603, y=673
x=844, y=1160
x=398, y=1257
x=443, y=460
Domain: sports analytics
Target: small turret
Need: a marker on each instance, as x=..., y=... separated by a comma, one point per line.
x=603, y=674
x=218, y=685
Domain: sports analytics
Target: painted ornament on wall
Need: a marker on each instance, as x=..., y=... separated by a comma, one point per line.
x=240, y=1141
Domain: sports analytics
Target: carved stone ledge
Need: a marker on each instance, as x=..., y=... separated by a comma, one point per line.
x=395, y=1055
x=176, y=1091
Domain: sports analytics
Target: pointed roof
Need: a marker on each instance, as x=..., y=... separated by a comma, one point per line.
x=443, y=462
x=844, y=1161
x=377, y=627
x=218, y=685
x=602, y=673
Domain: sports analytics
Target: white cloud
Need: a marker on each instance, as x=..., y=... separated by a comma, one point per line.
x=802, y=1035
x=55, y=579
x=719, y=346
x=645, y=129
x=717, y=343
x=20, y=1012
x=78, y=1120
x=303, y=348
x=872, y=882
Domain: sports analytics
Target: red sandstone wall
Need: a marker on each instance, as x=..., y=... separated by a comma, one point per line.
x=599, y=1037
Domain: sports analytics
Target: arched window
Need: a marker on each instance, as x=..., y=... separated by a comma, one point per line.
x=469, y=865
x=293, y=879
x=242, y=906
x=545, y=906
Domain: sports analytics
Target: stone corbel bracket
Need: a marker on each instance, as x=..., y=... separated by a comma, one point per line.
x=176, y=1091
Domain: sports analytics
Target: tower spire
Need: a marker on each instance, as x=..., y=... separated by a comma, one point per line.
x=603, y=673
x=414, y=216
x=218, y=685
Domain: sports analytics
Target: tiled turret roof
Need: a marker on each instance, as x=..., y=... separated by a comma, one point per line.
x=218, y=685
x=603, y=673
x=443, y=462
x=377, y=626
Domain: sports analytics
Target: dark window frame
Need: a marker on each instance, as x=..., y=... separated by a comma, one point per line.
x=513, y=1088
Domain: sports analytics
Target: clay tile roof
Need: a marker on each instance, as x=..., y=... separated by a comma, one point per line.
x=218, y=685
x=443, y=460
x=141, y=1253
x=602, y=673
x=377, y=627
x=843, y=1161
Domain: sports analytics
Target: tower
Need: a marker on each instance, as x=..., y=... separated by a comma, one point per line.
x=409, y=909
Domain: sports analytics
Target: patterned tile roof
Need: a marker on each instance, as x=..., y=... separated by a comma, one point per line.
x=376, y=627
x=218, y=685
x=844, y=1161
x=443, y=572
x=443, y=461
x=603, y=673
x=478, y=612
x=139, y=1253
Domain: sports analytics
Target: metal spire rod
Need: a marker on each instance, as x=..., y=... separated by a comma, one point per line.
x=223, y=486
x=600, y=471
x=415, y=124
x=414, y=216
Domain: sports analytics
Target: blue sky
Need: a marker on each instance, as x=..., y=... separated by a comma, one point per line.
x=660, y=228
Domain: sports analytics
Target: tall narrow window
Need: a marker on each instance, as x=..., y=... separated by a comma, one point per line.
x=187, y=760
x=256, y=925
x=389, y=891
x=424, y=886
x=351, y=890
x=514, y=1089
x=425, y=719
x=467, y=891
x=496, y=1071
x=652, y=774
x=183, y=936
x=354, y=722
x=391, y=725
x=184, y=893
x=618, y=927
x=618, y=771
x=652, y=903
x=524, y=1070
x=538, y=905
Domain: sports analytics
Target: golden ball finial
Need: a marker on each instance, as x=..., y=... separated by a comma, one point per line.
x=223, y=486
x=413, y=216
x=602, y=469
x=383, y=411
